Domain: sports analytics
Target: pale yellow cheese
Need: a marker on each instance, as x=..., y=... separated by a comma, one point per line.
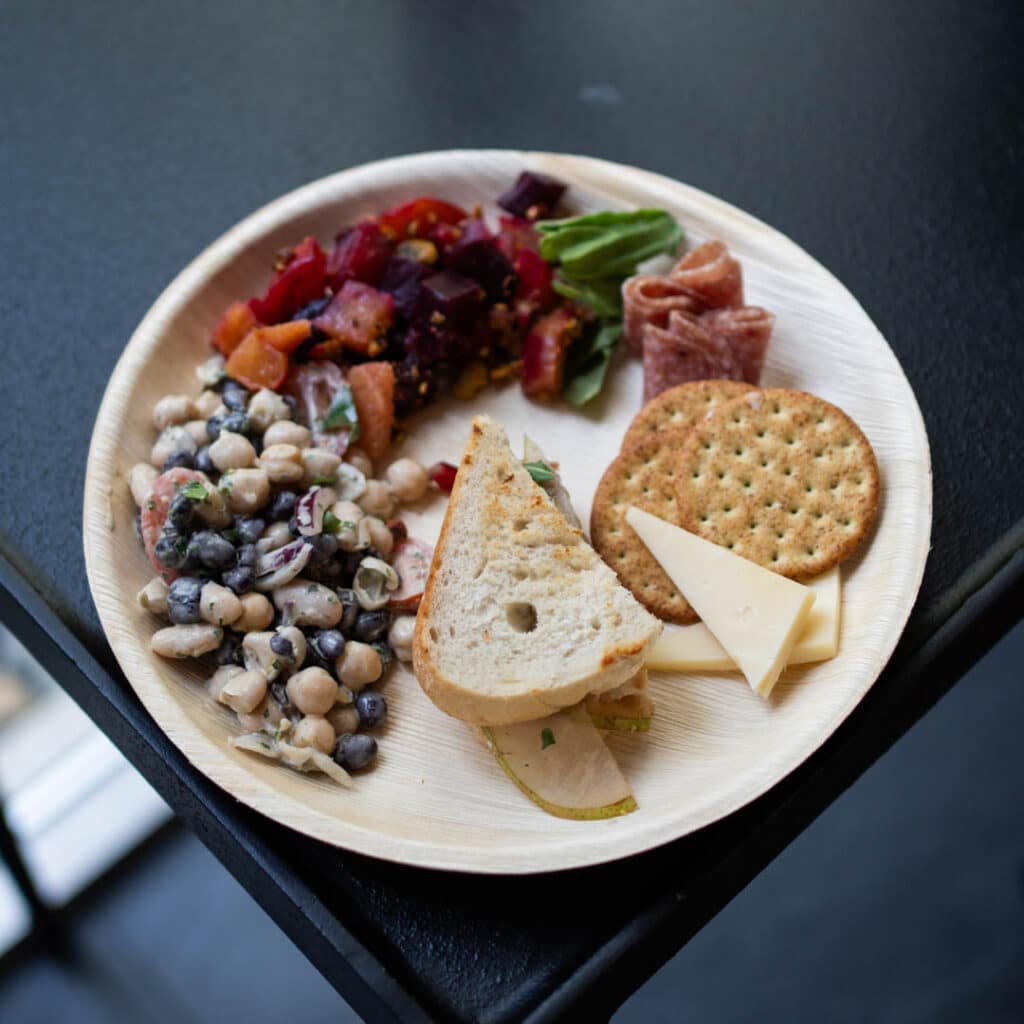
x=756, y=615
x=695, y=649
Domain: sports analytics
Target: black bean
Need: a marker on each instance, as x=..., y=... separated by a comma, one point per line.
x=282, y=645
x=178, y=458
x=330, y=642
x=371, y=625
x=236, y=422
x=249, y=529
x=372, y=708
x=213, y=427
x=246, y=555
x=183, y=600
x=241, y=579
x=212, y=550
x=138, y=525
x=170, y=549
x=235, y=396
x=384, y=651
x=280, y=694
x=349, y=609
x=230, y=650
x=293, y=526
x=203, y=462
x=181, y=512
x=324, y=546
x=354, y=751
x=281, y=507
x=350, y=561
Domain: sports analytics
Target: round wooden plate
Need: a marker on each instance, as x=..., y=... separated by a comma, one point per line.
x=436, y=797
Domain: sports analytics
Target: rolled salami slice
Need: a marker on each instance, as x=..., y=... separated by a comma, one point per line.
x=684, y=351
x=649, y=299
x=710, y=273
x=746, y=330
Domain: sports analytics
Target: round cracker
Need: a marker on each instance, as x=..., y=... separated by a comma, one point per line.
x=680, y=407
x=781, y=477
x=642, y=475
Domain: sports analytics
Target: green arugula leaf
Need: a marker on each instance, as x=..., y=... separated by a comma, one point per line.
x=602, y=296
x=540, y=471
x=587, y=363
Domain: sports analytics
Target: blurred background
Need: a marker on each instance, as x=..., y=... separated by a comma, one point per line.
x=902, y=903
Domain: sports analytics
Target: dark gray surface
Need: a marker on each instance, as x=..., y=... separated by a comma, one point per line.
x=900, y=905
x=886, y=139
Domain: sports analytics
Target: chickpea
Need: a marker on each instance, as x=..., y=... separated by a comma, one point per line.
x=358, y=665
x=282, y=463
x=210, y=371
x=219, y=605
x=232, y=451
x=284, y=431
x=171, y=439
x=319, y=464
x=216, y=683
x=400, y=636
x=313, y=691
x=140, y=479
x=258, y=655
x=313, y=731
x=275, y=536
x=378, y=500
x=186, y=641
x=172, y=409
x=360, y=460
x=197, y=428
x=377, y=535
x=213, y=509
x=267, y=407
x=206, y=403
x=343, y=719
x=308, y=604
x=153, y=596
x=408, y=479
x=246, y=490
x=245, y=691
x=257, y=613
x=266, y=716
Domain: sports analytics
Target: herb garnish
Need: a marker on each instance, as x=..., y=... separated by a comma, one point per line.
x=195, y=491
x=342, y=413
x=332, y=524
x=547, y=739
x=540, y=471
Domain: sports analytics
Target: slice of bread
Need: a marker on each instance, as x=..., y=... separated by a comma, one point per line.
x=519, y=617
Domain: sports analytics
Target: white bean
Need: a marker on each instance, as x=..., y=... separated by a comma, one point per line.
x=186, y=641
x=265, y=408
x=232, y=451
x=257, y=613
x=172, y=439
x=408, y=479
x=216, y=683
x=349, y=516
x=210, y=371
x=282, y=463
x=306, y=603
x=313, y=731
x=258, y=655
x=320, y=465
x=264, y=718
x=284, y=431
x=245, y=691
x=360, y=460
x=140, y=479
x=197, y=428
x=357, y=665
x=377, y=534
x=378, y=500
x=206, y=403
x=245, y=489
x=153, y=596
x=275, y=536
x=219, y=605
x=313, y=691
x=400, y=636
x=173, y=409
x=343, y=719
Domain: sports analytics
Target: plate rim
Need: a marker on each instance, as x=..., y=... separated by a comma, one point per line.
x=97, y=524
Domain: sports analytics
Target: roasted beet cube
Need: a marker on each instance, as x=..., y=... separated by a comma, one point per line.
x=401, y=280
x=485, y=263
x=358, y=318
x=532, y=196
x=534, y=294
x=516, y=234
x=302, y=279
x=545, y=351
x=456, y=297
x=359, y=254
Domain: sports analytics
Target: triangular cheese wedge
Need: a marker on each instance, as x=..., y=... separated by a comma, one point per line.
x=695, y=649
x=756, y=615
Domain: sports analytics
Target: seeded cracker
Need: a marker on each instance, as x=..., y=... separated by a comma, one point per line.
x=679, y=408
x=642, y=475
x=780, y=477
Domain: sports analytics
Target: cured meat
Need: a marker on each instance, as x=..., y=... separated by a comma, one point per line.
x=710, y=273
x=649, y=299
x=685, y=351
x=746, y=330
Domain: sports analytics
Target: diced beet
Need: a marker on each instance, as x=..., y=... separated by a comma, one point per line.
x=534, y=294
x=457, y=298
x=545, y=351
x=516, y=234
x=302, y=279
x=357, y=319
x=532, y=196
x=443, y=474
x=361, y=253
x=401, y=280
x=485, y=263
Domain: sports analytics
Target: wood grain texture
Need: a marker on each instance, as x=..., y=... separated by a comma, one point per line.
x=437, y=798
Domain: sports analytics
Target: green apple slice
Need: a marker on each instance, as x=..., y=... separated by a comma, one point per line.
x=562, y=764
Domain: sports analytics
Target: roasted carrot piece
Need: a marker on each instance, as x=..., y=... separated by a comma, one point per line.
x=238, y=320
x=373, y=391
x=286, y=337
x=257, y=364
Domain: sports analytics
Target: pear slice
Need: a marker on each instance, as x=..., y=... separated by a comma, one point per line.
x=627, y=708
x=562, y=764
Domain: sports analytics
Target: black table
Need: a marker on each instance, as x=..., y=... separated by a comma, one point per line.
x=887, y=139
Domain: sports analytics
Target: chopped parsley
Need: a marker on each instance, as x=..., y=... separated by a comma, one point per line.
x=342, y=413
x=547, y=739
x=195, y=491
x=540, y=471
